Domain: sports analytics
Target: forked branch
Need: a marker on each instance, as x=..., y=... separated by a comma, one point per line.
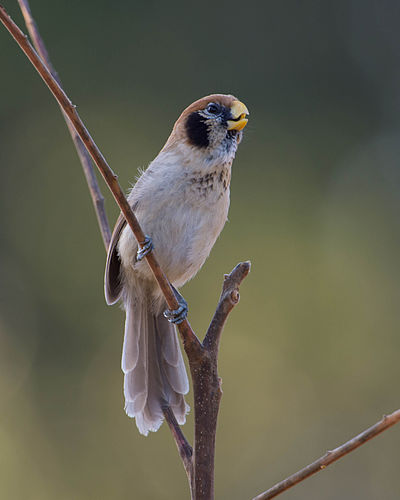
x=207, y=386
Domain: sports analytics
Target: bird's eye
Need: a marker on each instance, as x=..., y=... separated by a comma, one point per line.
x=213, y=108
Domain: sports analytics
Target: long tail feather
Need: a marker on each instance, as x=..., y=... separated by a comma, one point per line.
x=154, y=371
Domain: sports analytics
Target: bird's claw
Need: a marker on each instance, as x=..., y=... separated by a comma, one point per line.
x=178, y=315
x=146, y=247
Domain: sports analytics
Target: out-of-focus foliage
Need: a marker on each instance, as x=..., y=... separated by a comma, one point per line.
x=310, y=356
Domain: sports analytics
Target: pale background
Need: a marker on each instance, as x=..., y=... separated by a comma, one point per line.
x=310, y=356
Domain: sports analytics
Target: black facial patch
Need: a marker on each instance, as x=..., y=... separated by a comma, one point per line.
x=197, y=131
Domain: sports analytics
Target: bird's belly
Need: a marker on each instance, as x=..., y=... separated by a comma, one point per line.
x=192, y=233
x=183, y=235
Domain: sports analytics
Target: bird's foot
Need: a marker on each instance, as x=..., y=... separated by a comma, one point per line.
x=176, y=316
x=146, y=247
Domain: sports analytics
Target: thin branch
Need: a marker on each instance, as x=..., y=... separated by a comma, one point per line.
x=207, y=386
x=191, y=343
x=84, y=157
x=331, y=456
x=184, y=448
x=227, y=301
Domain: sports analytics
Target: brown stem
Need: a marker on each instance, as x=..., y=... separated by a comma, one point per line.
x=190, y=341
x=207, y=386
x=184, y=448
x=331, y=456
x=84, y=157
x=227, y=301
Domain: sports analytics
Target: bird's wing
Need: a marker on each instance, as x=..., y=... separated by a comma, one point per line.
x=112, y=279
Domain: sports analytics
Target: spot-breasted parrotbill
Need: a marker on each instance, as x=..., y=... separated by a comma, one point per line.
x=181, y=202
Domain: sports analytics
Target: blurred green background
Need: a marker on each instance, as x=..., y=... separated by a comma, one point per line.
x=310, y=356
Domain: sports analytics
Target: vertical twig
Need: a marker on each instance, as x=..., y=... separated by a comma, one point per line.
x=207, y=385
x=84, y=157
x=184, y=448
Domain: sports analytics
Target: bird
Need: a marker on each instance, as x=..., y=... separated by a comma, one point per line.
x=181, y=201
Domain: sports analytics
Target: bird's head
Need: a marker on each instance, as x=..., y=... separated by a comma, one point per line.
x=212, y=125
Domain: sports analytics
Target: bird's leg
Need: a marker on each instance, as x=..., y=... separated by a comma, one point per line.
x=146, y=247
x=178, y=315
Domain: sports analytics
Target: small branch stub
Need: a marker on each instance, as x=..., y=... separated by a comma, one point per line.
x=229, y=298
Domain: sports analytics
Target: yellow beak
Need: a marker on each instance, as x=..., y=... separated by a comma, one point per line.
x=239, y=112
